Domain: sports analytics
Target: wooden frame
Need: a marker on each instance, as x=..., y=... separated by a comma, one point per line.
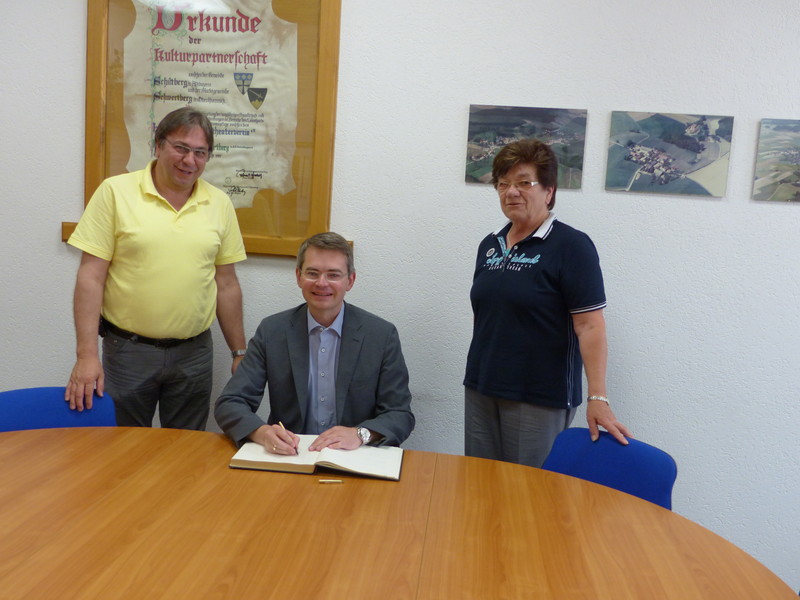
x=318, y=57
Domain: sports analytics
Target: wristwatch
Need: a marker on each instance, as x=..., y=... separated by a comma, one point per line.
x=237, y=353
x=364, y=434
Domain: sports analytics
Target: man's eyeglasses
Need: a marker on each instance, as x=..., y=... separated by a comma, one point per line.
x=330, y=276
x=200, y=154
x=523, y=185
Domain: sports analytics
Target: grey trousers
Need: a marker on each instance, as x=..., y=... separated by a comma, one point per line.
x=511, y=431
x=140, y=377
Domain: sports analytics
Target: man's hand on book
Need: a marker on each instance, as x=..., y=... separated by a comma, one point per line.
x=339, y=437
x=276, y=439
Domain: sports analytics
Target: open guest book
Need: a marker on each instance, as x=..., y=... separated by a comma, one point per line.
x=383, y=462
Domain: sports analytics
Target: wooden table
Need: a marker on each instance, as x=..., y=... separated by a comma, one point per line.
x=156, y=513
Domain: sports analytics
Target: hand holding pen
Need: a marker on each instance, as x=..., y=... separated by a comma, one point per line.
x=276, y=439
x=289, y=438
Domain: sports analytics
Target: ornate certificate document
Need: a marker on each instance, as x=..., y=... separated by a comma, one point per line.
x=234, y=60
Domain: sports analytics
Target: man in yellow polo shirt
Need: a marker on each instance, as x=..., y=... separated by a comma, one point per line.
x=159, y=247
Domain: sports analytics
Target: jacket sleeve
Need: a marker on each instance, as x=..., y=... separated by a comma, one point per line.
x=235, y=409
x=392, y=416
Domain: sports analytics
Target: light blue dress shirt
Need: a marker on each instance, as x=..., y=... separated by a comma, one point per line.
x=323, y=359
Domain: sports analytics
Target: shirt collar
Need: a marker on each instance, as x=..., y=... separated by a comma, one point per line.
x=199, y=193
x=336, y=325
x=542, y=232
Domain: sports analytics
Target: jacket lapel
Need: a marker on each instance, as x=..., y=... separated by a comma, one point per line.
x=297, y=340
x=352, y=338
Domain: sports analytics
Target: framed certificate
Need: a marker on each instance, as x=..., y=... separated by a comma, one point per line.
x=264, y=72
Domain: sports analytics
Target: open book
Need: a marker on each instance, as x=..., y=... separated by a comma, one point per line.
x=383, y=462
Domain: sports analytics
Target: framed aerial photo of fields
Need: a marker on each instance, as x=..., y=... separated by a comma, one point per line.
x=667, y=153
x=777, y=175
x=492, y=127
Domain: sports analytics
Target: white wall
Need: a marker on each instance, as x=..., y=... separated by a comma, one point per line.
x=703, y=293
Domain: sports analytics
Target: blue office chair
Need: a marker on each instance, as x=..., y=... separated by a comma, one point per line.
x=45, y=408
x=638, y=468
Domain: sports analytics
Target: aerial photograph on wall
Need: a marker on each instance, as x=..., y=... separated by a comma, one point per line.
x=492, y=127
x=777, y=175
x=668, y=153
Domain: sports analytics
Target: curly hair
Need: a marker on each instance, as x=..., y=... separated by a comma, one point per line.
x=533, y=152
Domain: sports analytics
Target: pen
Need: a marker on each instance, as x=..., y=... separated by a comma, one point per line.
x=331, y=481
x=284, y=428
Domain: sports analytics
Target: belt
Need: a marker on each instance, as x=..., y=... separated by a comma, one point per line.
x=107, y=327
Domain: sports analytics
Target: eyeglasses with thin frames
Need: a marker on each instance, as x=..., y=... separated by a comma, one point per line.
x=200, y=154
x=330, y=276
x=522, y=185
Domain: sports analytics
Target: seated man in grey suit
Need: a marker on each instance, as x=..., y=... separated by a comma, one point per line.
x=331, y=368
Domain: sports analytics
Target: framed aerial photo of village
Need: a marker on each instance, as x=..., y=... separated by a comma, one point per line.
x=667, y=153
x=777, y=175
x=264, y=72
x=492, y=127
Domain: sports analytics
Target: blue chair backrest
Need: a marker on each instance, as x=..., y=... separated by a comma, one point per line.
x=638, y=468
x=45, y=408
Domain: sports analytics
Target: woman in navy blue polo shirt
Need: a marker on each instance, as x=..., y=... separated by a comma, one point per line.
x=538, y=298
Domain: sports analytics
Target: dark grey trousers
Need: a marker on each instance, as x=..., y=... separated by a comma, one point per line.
x=511, y=431
x=140, y=377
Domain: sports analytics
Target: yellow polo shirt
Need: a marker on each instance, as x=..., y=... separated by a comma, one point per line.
x=160, y=281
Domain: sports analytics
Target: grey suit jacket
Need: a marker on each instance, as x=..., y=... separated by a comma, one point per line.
x=371, y=380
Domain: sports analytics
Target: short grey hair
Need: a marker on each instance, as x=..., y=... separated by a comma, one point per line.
x=327, y=241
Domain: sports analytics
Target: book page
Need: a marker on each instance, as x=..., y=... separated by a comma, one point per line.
x=383, y=461
x=253, y=452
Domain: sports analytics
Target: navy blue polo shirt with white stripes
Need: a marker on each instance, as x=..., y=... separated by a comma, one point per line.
x=524, y=346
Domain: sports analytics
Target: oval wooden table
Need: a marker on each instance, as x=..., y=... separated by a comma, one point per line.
x=154, y=513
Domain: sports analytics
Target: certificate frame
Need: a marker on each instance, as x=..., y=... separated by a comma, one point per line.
x=318, y=57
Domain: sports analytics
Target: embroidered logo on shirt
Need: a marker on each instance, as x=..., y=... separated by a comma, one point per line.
x=524, y=259
x=516, y=262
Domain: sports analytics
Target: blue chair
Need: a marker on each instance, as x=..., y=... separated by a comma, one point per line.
x=638, y=468
x=45, y=408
